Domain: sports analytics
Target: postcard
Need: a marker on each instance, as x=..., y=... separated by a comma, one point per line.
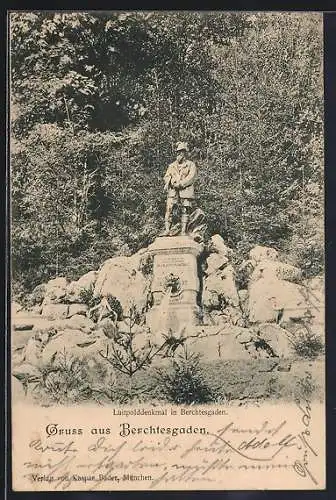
x=167, y=250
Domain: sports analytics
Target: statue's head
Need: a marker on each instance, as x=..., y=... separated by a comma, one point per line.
x=181, y=150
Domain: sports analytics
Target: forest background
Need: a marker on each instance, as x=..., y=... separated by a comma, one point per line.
x=98, y=101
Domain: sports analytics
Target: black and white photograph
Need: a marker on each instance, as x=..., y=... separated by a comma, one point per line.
x=167, y=236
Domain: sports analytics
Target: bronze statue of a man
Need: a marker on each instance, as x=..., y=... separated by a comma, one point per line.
x=179, y=184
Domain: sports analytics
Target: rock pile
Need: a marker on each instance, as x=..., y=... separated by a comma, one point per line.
x=239, y=321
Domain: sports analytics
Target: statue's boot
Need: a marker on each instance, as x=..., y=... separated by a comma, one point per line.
x=184, y=224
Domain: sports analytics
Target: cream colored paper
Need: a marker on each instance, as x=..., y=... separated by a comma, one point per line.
x=233, y=446
x=185, y=448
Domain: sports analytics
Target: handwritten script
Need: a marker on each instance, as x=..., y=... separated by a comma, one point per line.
x=260, y=454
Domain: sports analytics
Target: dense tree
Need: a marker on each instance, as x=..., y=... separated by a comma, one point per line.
x=98, y=101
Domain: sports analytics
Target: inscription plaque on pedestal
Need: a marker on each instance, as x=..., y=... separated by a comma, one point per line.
x=175, y=283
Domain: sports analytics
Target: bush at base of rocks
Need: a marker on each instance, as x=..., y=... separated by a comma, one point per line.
x=92, y=300
x=306, y=343
x=184, y=383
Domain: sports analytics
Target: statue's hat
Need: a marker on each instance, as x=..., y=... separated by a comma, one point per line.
x=182, y=146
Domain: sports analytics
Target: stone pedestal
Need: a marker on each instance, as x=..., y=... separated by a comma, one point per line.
x=175, y=283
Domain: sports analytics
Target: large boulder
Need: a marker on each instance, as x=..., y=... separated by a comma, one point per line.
x=87, y=280
x=33, y=346
x=55, y=291
x=218, y=245
x=223, y=284
x=277, y=338
x=76, y=322
x=81, y=309
x=55, y=311
x=140, y=258
x=121, y=278
x=74, y=289
x=275, y=300
x=260, y=253
x=215, y=343
x=23, y=324
x=26, y=372
x=42, y=347
x=110, y=266
x=33, y=351
x=266, y=341
x=215, y=262
x=211, y=299
x=73, y=343
x=59, y=282
x=272, y=269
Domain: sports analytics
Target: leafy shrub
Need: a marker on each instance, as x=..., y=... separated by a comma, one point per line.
x=243, y=274
x=306, y=343
x=64, y=380
x=146, y=265
x=115, y=306
x=91, y=300
x=308, y=254
x=186, y=383
x=87, y=296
